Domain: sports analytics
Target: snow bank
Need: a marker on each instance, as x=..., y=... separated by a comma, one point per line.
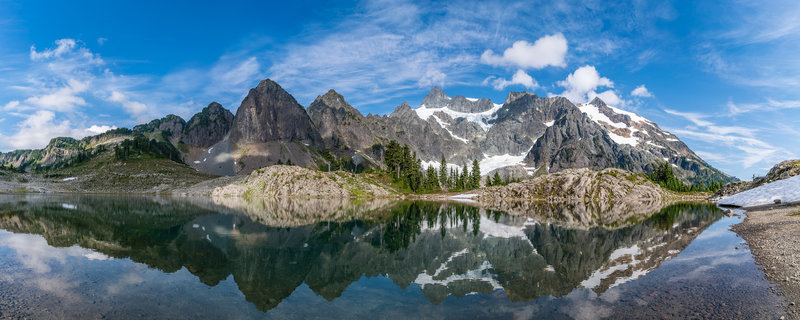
x=787, y=190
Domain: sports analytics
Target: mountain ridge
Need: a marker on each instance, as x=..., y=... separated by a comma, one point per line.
x=530, y=133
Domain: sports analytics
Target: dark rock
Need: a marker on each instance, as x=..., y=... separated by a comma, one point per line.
x=208, y=127
x=269, y=113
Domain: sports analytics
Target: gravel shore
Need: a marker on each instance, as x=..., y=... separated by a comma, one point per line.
x=773, y=234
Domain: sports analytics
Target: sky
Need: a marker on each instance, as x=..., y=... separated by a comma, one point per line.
x=724, y=77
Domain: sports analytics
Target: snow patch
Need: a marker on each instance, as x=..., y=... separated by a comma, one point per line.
x=653, y=144
x=550, y=123
x=787, y=190
x=69, y=179
x=594, y=113
x=69, y=206
x=479, y=118
x=491, y=163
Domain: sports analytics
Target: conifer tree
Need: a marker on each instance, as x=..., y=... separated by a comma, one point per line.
x=475, y=182
x=443, y=171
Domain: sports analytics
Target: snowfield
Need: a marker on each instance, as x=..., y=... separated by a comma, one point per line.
x=787, y=190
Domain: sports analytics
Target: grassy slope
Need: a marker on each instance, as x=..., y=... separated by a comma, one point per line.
x=104, y=174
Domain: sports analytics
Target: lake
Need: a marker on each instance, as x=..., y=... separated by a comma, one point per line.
x=93, y=256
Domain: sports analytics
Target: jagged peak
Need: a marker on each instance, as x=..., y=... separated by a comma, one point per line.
x=402, y=108
x=514, y=95
x=597, y=102
x=435, y=97
x=213, y=105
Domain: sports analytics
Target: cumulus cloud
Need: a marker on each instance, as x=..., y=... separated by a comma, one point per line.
x=519, y=78
x=36, y=130
x=641, y=91
x=580, y=86
x=609, y=97
x=63, y=99
x=130, y=106
x=547, y=51
x=63, y=46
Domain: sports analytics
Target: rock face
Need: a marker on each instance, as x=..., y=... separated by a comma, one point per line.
x=208, y=127
x=269, y=113
x=172, y=126
x=339, y=124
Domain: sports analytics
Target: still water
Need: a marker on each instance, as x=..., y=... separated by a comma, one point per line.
x=140, y=257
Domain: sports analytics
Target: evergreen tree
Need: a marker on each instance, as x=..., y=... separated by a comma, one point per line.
x=443, y=171
x=464, y=183
x=476, y=175
x=496, y=181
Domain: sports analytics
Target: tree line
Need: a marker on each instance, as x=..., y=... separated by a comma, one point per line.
x=665, y=177
x=139, y=146
x=407, y=170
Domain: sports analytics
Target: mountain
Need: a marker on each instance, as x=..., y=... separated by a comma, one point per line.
x=527, y=135
x=208, y=127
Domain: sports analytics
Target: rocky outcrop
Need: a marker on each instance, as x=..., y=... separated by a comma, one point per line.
x=208, y=127
x=579, y=184
x=171, y=125
x=297, y=182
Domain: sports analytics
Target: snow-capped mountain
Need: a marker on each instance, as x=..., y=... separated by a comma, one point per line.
x=524, y=136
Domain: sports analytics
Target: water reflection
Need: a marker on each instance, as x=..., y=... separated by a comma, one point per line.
x=445, y=249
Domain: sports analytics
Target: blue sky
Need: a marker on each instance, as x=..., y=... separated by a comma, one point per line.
x=724, y=77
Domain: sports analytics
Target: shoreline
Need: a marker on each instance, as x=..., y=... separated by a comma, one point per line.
x=772, y=233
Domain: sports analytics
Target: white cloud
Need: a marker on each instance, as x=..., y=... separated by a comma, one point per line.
x=609, y=97
x=641, y=91
x=547, y=51
x=232, y=74
x=581, y=84
x=95, y=129
x=63, y=99
x=519, y=78
x=432, y=77
x=36, y=130
x=63, y=46
x=130, y=106
x=769, y=105
x=749, y=149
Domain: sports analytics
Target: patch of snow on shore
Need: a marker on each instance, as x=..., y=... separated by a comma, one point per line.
x=787, y=190
x=69, y=179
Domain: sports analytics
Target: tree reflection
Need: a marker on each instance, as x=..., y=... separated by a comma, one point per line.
x=445, y=249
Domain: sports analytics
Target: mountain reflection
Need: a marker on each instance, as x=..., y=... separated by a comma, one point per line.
x=446, y=249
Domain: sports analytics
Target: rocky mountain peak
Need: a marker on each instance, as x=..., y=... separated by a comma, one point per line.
x=332, y=100
x=513, y=96
x=208, y=127
x=597, y=102
x=402, y=109
x=170, y=123
x=435, y=98
x=269, y=113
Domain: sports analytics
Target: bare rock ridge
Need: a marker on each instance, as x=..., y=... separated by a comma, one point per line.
x=338, y=123
x=269, y=113
x=538, y=134
x=208, y=127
